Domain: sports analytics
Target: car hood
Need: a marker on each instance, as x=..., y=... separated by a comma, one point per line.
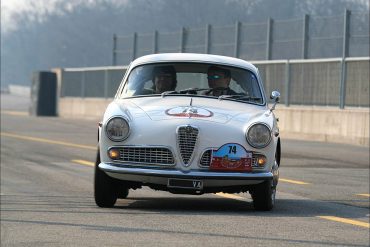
x=200, y=108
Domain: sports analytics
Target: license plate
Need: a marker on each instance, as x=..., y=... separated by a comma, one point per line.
x=185, y=183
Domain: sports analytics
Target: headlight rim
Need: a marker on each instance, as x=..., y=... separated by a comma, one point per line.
x=128, y=124
x=247, y=135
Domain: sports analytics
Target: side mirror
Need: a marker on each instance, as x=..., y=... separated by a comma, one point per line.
x=275, y=95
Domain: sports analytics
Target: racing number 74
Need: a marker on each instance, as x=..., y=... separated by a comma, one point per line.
x=232, y=149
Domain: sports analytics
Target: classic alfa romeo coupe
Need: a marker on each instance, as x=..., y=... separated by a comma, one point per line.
x=190, y=124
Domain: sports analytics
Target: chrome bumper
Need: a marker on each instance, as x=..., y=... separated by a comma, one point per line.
x=160, y=176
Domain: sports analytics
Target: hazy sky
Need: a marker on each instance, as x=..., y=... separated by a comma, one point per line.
x=9, y=8
x=38, y=8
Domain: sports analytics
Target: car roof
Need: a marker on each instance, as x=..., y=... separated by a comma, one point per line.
x=193, y=57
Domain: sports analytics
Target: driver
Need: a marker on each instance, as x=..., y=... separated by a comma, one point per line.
x=219, y=81
x=164, y=79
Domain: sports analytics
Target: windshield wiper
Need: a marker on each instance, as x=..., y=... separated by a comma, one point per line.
x=193, y=90
x=185, y=91
x=167, y=93
x=244, y=97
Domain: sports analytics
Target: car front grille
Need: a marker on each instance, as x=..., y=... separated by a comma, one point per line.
x=146, y=155
x=205, y=160
x=187, y=137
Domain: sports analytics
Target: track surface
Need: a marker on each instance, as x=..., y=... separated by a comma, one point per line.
x=47, y=196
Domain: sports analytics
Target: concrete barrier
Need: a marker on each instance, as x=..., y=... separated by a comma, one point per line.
x=20, y=90
x=328, y=124
x=92, y=108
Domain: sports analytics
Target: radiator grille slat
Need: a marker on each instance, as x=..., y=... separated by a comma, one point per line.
x=206, y=158
x=187, y=138
x=146, y=155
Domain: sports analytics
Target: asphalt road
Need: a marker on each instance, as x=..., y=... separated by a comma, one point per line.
x=47, y=196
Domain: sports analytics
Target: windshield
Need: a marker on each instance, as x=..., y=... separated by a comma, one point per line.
x=203, y=80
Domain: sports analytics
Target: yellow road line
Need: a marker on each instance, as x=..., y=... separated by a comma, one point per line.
x=231, y=196
x=365, y=195
x=36, y=139
x=84, y=162
x=293, y=181
x=347, y=221
x=15, y=113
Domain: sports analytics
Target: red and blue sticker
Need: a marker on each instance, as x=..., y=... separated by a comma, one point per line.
x=189, y=111
x=231, y=157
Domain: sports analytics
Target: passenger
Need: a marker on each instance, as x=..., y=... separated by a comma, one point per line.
x=164, y=79
x=219, y=81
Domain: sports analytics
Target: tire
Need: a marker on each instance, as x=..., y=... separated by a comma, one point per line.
x=263, y=196
x=123, y=192
x=105, y=188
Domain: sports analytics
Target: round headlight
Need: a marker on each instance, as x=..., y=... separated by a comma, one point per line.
x=259, y=135
x=117, y=129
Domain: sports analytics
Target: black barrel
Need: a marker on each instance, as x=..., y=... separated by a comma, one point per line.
x=43, y=94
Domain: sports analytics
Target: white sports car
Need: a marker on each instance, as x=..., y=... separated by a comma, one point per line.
x=190, y=124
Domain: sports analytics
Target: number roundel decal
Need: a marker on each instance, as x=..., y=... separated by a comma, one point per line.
x=231, y=156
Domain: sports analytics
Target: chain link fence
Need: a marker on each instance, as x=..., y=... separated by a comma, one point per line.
x=300, y=82
x=99, y=82
x=311, y=36
x=283, y=50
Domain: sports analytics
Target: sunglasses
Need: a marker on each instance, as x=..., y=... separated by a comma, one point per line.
x=214, y=77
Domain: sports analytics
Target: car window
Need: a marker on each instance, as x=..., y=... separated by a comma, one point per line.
x=182, y=77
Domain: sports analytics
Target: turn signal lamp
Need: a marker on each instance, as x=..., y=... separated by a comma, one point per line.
x=261, y=160
x=113, y=154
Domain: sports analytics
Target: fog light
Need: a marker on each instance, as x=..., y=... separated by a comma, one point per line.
x=261, y=160
x=113, y=153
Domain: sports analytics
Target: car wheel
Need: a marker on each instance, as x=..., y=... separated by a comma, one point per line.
x=263, y=196
x=105, y=189
x=123, y=192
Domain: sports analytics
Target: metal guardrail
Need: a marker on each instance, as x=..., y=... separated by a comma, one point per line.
x=323, y=82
